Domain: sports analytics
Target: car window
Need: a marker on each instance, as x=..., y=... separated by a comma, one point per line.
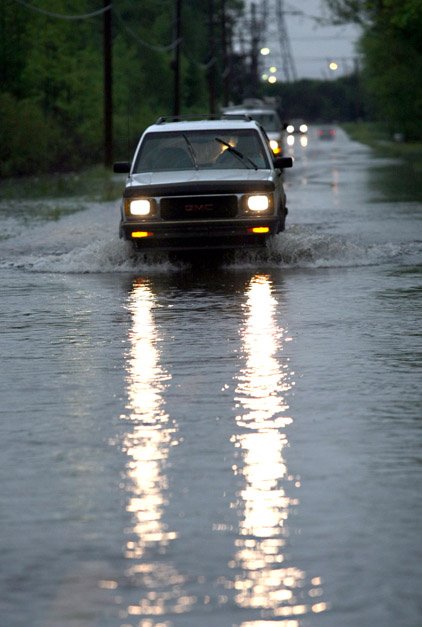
x=268, y=120
x=201, y=149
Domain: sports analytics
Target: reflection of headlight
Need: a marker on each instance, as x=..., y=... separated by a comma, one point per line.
x=303, y=128
x=258, y=203
x=140, y=207
x=290, y=140
x=290, y=128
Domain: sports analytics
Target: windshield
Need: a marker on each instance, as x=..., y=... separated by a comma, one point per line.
x=238, y=149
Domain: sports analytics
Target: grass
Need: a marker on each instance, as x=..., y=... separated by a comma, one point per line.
x=375, y=136
x=97, y=184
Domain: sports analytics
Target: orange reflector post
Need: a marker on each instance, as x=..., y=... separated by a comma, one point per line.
x=259, y=229
x=141, y=234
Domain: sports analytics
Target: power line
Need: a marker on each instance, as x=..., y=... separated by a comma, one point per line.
x=317, y=38
x=326, y=58
x=62, y=16
x=144, y=43
x=299, y=13
x=85, y=16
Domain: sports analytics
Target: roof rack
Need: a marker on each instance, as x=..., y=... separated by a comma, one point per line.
x=237, y=116
x=182, y=118
x=164, y=119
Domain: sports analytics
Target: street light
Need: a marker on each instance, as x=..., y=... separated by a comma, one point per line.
x=265, y=51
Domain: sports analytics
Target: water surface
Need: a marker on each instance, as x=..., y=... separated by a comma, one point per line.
x=231, y=445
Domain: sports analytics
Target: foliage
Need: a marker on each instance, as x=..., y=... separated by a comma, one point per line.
x=319, y=101
x=51, y=92
x=392, y=59
x=28, y=138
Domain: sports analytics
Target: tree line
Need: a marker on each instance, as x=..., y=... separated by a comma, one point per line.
x=336, y=101
x=391, y=47
x=52, y=74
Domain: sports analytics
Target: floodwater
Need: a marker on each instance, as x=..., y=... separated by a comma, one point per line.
x=221, y=445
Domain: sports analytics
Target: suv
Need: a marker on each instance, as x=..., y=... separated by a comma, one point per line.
x=267, y=117
x=202, y=184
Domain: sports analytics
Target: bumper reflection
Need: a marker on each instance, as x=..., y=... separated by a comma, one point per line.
x=291, y=140
x=265, y=581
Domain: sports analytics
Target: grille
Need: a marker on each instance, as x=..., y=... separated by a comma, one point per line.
x=198, y=207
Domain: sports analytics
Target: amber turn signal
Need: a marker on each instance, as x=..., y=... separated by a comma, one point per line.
x=259, y=229
x=141, y=234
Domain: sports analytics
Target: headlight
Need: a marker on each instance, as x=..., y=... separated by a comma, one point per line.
x=258, y=203
x=290, y=128
x=140, y=207
x=273, y=145
x=303, y=128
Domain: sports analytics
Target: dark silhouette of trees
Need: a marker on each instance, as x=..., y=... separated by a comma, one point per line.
x=392, y=59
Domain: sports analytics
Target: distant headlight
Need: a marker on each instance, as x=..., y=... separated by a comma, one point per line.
x=140, y=207
x=258, y=203
x=303, y=128
x=275, y=146
x=290, y=128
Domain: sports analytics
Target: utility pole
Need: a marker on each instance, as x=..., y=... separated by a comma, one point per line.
x=255, y=37
x=224, y=46
x=108, y=85
x=211, y=62
x=176, y=60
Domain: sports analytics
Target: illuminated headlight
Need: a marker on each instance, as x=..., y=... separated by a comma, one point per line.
x=303, y=128
x=290, y=128
x=140, y=207
x=275, y=147
x=258, y=203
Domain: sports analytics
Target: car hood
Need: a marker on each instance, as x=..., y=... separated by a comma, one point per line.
x=198, y=176
x=200, y=182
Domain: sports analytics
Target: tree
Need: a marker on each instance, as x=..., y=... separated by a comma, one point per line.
x=51, y=69
x=392, y=58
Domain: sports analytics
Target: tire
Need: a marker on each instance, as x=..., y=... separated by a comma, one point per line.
x=282, y=221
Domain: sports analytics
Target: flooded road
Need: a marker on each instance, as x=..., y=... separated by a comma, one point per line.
x=234, y=445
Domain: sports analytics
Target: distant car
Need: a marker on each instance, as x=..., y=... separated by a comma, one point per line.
x=202, y=184
x=267, y=117
x=297, y=127
x=326, y=133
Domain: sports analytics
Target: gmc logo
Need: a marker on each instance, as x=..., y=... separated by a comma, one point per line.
x=194, y=207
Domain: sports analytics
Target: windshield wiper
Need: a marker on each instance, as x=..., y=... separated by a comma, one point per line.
x=243, y=158
x=191, y=151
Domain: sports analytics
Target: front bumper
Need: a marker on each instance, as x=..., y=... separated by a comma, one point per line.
x=200, y=235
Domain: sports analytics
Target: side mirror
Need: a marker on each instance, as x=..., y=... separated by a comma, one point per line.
x=121, y=167
x=283, y=162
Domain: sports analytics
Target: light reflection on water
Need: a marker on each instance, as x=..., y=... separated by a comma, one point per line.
x=264, y=581
x=147, y=446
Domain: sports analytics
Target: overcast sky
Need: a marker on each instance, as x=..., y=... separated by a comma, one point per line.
x=312, y=45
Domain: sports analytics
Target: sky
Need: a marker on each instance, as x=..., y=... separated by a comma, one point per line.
x=312, y=45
